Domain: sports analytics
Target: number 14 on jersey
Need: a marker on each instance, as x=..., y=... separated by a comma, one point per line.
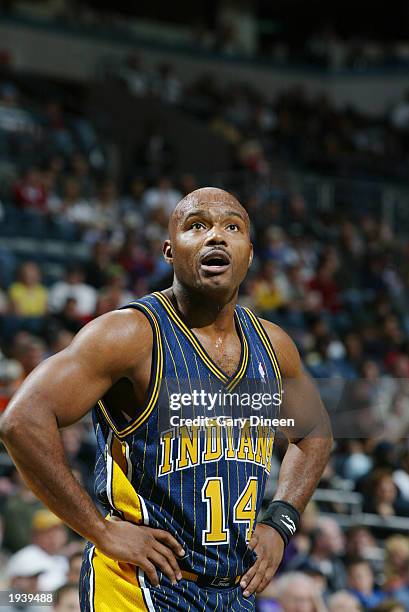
x=244, y=510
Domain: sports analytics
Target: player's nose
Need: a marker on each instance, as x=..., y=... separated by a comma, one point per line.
x=215, y=236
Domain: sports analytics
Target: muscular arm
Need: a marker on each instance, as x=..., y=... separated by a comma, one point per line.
x=57, y=394
x=310, y=440
x=308, y=451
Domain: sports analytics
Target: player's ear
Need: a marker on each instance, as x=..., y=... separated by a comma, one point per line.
x=251, y=255
x=167, y=252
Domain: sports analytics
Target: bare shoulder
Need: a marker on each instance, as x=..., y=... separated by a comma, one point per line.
x=285, y=349
x=122, y=338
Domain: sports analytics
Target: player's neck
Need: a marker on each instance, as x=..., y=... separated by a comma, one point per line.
x=203, y=311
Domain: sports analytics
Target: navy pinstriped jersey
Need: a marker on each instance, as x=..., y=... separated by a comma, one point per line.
x=203, y=483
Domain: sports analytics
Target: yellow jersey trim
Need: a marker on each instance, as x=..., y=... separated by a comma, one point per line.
x=231, y=383
x=262, y=334
x=157, y=376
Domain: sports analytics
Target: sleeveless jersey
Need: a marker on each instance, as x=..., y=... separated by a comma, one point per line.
x=201, y=482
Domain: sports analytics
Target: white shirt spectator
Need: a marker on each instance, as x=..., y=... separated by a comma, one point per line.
x=401, y=479
x=162, y=196
x=82, y=213
x=31, y=559
x=83, y=294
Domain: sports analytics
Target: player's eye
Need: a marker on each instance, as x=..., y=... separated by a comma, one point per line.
x=233, y=227
x=197, y=225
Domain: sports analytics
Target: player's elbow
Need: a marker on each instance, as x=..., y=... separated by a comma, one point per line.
x=12, y=423
x=8, y=428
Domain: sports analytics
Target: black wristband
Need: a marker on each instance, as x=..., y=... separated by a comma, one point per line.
x=283, y=517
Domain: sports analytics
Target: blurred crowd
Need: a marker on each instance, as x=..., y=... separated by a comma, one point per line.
x=336, y=279
x=293, y=125
x=236, y=30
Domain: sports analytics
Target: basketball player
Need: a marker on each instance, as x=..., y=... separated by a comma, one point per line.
x=180, y=503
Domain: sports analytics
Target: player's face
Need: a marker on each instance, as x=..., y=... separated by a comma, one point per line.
x=210, y=248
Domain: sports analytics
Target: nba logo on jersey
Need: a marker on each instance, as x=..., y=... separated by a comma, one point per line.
x=261, y=372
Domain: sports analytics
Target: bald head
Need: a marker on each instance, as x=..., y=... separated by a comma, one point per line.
x=205, y=196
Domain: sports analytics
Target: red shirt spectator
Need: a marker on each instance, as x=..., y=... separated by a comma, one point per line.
x=326, y=288
x=30, y=192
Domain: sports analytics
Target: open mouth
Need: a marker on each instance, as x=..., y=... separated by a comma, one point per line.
x=215, y=262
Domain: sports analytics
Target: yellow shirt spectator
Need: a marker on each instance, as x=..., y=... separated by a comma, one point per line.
x=267, y=296
x=27, y=295
x=28, y=301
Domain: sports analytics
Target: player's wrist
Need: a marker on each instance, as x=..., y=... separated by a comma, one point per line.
x=283, y=517
x=100, y=532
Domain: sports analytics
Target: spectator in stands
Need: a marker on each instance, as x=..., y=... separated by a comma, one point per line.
x=114, y=294
x=18, y=511
x=265, y=291
x=57, y=128
x=28, y=296
x=105, y=211
x=73, y=287
x=360, y=543
x=383, y=456
x=157, y=154
x=383, y=496
x=401, y=476
x=74, y=570
x=99, y=269
x=327, y=544
x=358, y=463
x=53, y=199
x=325, y=286
x=295, y=591
x=29, y=351
x=81, y=171
x=24, y=575
x=74, y=207
x=131, y=204
x=163, y=195
x=66, y=598
x=397, y=567
x=342, y=601
x=361, y=583
x=397, y=422
x=29, y=192
x=68, y=318
x=135, y=259
x=49, y=537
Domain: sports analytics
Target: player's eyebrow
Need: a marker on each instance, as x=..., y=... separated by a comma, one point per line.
x=234, y=213
x=195, y=213
x=205, y=212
